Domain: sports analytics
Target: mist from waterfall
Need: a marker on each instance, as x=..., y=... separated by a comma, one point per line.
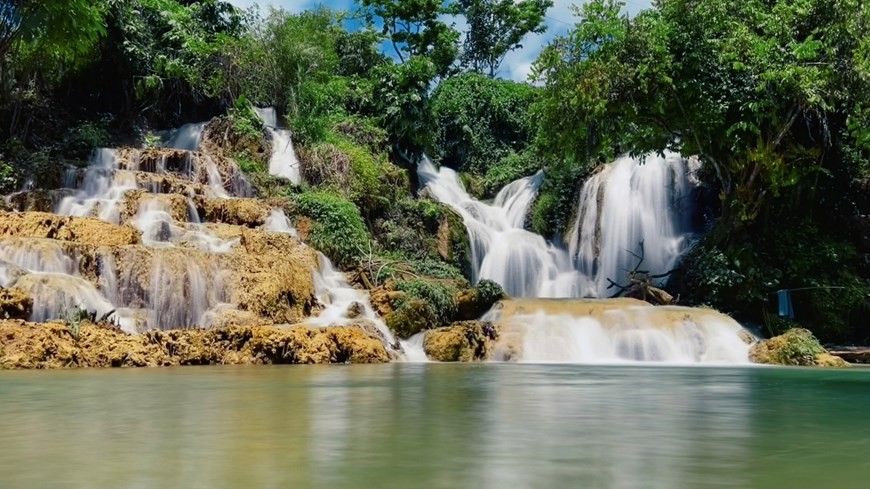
x=628, y=202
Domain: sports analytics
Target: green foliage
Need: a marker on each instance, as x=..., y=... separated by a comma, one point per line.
x=479, y=121
x=496, y=27
x=338, y=230
x=437, y=296
x=410, y=317
x=796, y=347
x=489, y=292
x=416, y=29
x=401, y=98
x=8, y=179
x=511, y=167
x=244, y=121
x=81, y=139
x=760, y=102
x=745, y=276
x=557, y=199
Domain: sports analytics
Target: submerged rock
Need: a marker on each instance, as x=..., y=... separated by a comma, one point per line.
x=796, y=346
x=465, y=341
x=57, y=345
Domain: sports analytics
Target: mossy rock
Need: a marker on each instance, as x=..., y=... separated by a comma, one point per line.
x=411, y=317
x=465, y=341
x=797, y=347
x=475, y=302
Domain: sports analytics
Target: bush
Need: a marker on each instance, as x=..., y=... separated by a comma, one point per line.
x=80, y=140
x=338, y=230
x=479, y=121
x=438, y=297
x=512, y=167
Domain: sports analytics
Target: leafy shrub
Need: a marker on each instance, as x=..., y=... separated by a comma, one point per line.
x=438, y=297
x=338, y=230
x=244, y=121
x=324, y=165
x=490, y=292
x=512, y=167
x=84, y=137
x=479, y=121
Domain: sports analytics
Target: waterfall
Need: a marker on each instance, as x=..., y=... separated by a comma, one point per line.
x=186, y=137
x=616, y=331
x=523, y=263
x=283, y=162
x=627, y=202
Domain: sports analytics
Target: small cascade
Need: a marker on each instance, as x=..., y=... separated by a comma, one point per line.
x=186, y=137
x=616, y=331
x=283, y=162
x=278, y=222
x=101, y=192
x=522, y=262
x=627, y=203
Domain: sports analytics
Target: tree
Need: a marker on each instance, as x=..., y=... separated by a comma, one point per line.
x=496, y=27
x=765, y=104
x=415, y=28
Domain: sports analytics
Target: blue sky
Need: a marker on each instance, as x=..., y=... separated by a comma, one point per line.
x=517, y=63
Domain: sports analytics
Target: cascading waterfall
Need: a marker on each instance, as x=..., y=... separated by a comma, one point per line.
x=523, y=263
x=186, y=137
x=342, y=304
x=627, y=203
x=283, y=162
x=629, y=207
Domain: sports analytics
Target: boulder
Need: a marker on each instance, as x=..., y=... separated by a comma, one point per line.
x=464, y=341
x=796, y=346
x=15, y=304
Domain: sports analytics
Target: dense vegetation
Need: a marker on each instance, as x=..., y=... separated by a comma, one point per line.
x=773, y=97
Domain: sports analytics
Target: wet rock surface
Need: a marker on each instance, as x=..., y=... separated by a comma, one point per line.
x=465, y=341
x=25, y=345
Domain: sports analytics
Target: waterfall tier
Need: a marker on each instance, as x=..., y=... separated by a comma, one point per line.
x=615, y=331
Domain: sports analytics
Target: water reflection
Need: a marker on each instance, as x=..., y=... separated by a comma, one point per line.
x=435, y=426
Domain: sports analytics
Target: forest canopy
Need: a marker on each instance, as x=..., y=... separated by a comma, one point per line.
x=772, y=97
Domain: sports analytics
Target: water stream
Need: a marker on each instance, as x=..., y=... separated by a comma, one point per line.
x=283, y=162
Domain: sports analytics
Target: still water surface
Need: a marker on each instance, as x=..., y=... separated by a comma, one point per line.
x=436, y=426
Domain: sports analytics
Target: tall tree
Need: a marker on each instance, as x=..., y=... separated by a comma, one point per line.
x=416, y=28
x=497, y=27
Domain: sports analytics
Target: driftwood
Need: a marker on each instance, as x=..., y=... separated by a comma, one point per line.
x=640, y=284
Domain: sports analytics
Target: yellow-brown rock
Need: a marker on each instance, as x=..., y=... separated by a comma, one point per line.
x=83, y=230
x=15, y=304
x=240, y=212
x=465, y=341
x=796, y=346
x=175, y=204
x=56, y=345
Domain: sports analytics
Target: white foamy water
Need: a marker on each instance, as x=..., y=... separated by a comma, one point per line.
x=522, y=262
x=627, y=203
x=283, y=162
x=630, y=201
x=622, y=333
x=186, y=137
x=101, y=192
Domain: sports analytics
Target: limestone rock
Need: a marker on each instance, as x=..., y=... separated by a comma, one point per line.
x=465, y=341
x=796, y=346
x=56, y=345
x=83, y=230
x=411, y=317
x=240, y=212
x=15, y=304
